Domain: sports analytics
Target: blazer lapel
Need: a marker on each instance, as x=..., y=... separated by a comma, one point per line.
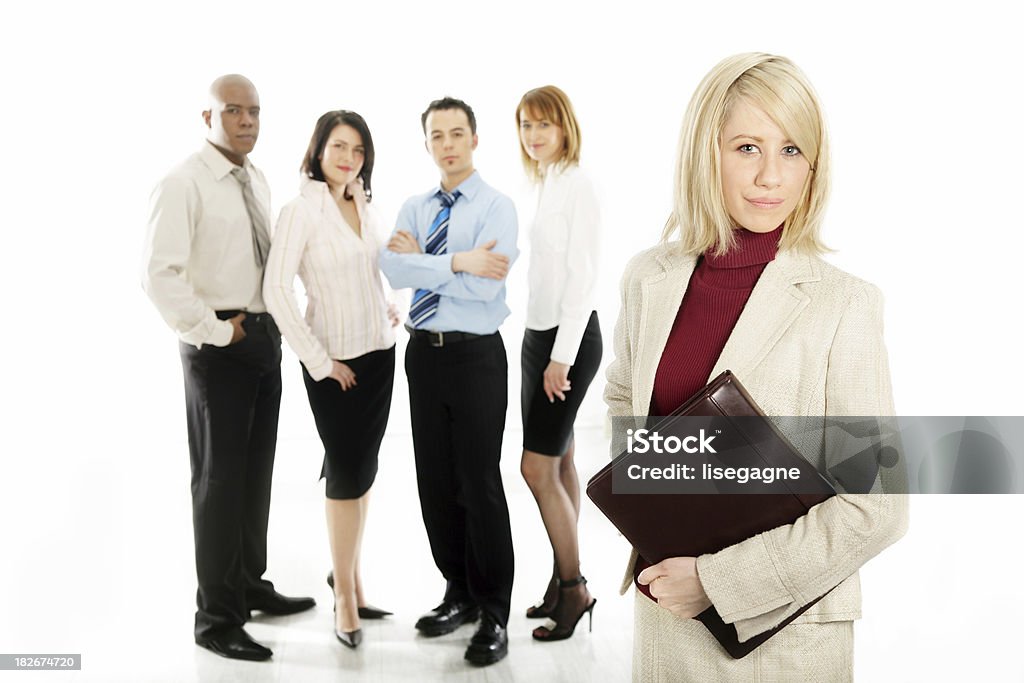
x=661, y=295
x=774, y=304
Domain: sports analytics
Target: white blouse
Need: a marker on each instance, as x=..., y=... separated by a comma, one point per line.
x=346, y=315
x=565, y=245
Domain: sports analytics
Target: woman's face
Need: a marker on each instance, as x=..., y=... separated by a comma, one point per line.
x=542, y=139
x=342, y=158
x=763, y=172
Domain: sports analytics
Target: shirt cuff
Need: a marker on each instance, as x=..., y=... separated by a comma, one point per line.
x=321, y=371
x=446, y=259
x=568, y=340
x=222, y=333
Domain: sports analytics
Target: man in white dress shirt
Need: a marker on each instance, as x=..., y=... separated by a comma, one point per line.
x=205, y=252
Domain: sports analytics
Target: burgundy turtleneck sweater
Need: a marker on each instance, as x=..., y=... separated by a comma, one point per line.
x=718, y=291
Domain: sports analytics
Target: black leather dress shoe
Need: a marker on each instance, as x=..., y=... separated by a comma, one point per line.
x=235, y=643
x=280, y=605
x=447, y=617
x=489, y=644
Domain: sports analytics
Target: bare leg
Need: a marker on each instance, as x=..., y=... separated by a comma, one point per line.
x=364, y=508
x=345, y=522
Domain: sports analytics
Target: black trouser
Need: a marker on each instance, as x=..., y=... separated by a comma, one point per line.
x=458, y=394
x=232, y=396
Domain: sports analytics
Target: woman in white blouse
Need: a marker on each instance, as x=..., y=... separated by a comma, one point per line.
x=562, y=342
x=330, y=236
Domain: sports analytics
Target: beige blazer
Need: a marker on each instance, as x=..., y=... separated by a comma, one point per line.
x=809, y=342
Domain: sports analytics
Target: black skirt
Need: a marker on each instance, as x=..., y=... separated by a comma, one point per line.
x=547, y=427
x=351, y=423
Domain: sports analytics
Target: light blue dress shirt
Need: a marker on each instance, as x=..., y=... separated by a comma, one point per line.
x=469, y=303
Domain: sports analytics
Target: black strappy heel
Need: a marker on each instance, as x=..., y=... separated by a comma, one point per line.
x=555, y=629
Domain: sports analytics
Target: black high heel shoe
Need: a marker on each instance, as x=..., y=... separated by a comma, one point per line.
x=559, y=627
x=366, y=611
x=350, y=638
x=540, y=610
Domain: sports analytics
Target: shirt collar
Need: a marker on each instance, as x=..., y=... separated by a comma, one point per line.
x=318, y=190
x=314, y=189
x=557, y=171
x=467, y=188
x=217, y=162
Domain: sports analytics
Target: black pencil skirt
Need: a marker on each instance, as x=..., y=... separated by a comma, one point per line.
x=352, y=423
x=547, y=427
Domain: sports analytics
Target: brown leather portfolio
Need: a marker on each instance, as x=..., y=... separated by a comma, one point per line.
x=662, y=525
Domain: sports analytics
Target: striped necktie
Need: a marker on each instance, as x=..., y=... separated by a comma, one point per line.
x=424, y=301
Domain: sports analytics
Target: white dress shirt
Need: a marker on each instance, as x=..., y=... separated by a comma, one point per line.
x=198, y=255
x=346, y=315
x=565, y=243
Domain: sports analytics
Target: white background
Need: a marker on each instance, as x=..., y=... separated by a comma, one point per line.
x=101, y=99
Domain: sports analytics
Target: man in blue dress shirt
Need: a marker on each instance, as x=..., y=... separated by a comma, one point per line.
x=454, y=245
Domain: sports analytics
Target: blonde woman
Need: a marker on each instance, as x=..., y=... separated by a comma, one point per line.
x=330, y=236
x=562, y=342
x=737, y=284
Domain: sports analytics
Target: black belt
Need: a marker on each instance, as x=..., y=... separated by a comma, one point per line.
x=249, y=315
x=439, y=339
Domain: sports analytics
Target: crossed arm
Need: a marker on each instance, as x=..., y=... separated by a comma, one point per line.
x=480, y=261
x=475, y=274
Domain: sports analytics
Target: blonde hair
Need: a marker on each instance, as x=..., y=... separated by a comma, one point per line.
x=552, y=104
x=775, y=85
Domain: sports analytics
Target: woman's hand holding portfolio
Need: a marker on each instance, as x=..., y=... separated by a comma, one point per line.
x=676, y=585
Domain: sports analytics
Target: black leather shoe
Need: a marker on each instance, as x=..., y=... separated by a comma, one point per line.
x=447, y=617
x=280, y=605
x=235, y=643
x=489, y=644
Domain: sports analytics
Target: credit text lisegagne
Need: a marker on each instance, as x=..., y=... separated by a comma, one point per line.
x=645, y=441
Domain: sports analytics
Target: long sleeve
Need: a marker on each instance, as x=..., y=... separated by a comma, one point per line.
x=434, y=272
x=413, y=270
x=757, y=583
x=618, y=390
x=581, y=262
x=500, y=224
x=173, y=216
x=286, y=253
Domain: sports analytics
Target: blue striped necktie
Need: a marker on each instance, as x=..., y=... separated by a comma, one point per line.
x=424, y=301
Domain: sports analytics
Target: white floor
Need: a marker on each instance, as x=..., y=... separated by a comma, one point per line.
x=97, y=559
x=128, y=607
